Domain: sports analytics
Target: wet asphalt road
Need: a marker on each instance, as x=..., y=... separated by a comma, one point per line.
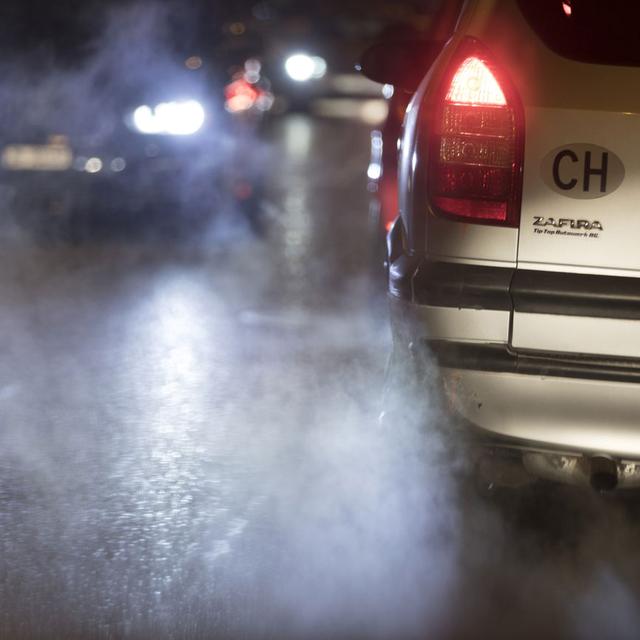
x=189, y=447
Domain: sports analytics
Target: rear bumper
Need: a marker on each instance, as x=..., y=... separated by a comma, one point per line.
x=521, y=401
x=536, y=413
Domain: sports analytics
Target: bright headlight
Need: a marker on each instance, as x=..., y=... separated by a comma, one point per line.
x=170, y=118
x=302, y=67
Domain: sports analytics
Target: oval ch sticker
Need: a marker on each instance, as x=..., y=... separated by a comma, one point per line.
x=581, y=170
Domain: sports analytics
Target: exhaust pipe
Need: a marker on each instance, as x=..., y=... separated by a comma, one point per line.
x=603, y=473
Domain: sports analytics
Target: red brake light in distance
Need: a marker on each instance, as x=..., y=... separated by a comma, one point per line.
x=475, y=165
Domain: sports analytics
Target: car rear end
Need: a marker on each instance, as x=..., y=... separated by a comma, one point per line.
x=514, y=257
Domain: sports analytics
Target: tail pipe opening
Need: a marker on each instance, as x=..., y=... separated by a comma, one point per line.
x=603, y=473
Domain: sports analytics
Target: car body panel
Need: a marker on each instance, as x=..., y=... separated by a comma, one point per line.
x=423, y=322
x=576, y=334
x=447, y=239
x=556, y=413
x=566, y=233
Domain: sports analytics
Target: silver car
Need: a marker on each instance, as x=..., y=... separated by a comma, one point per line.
x=515, y=259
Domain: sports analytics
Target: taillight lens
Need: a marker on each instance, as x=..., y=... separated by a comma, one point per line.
x=476, y=155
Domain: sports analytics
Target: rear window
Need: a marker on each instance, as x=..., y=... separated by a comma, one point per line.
x=596, y=31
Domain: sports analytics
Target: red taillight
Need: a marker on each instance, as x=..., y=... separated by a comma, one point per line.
x=475, y=167
x=473, y=83
x=240, y=95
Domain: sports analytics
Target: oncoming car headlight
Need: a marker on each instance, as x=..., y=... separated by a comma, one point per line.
x=302, y=67
x=169, y=118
